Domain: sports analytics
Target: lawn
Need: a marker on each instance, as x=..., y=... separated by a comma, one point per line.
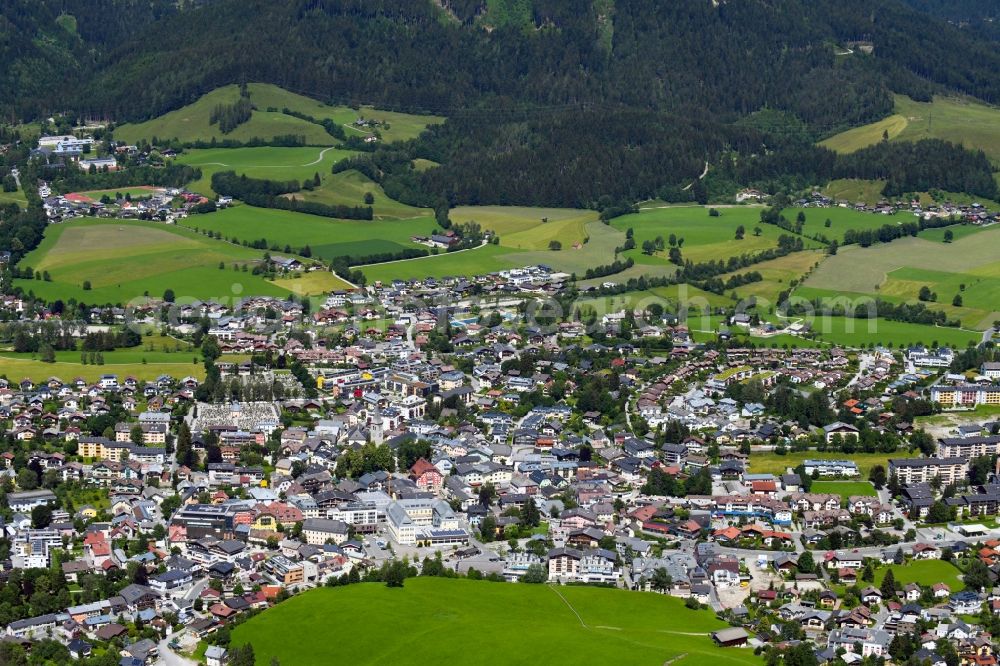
x=923, y=572
x=327, y=237
x=970, y=123
x=264, y=162
x=772, y=463
x=523, y=227
x=844, y=488
x=547, y=624
x=123, y=260
x=191, y=123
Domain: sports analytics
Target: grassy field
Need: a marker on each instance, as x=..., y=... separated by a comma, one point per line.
x=896, y=271
x=844, y=488
x=598, y=250
x=856, y=332
x=312, y=283
x=551, y=625
x=123, y=260
x=136, y=192
x=777, y=275
x=842, y=220
x=327, y=237
x=772, y=463
x=855, y=189
x=923, y=572
x=523, y=228
x=349, y=188
x=705, y=237
x=478, y=261
x=13, y=197
x=191, y=123
x=866, y=135
x=972, y=124
x=16, y=369
x=265, y=162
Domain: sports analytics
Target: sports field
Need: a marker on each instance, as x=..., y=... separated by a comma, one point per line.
x=124, y=259
x=529, y=228
x=327, y=237
x=265, y=162
x=923, y=572
x=844, y=488
x=191, y=123
x=500, y=623
x=972, y=124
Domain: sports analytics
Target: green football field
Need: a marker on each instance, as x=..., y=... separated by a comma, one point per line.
x=440, y=621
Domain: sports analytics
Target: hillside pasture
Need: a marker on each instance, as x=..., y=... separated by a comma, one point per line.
x=263, y=162
x=192, y=123
x=124, y=260
x=553, y=624
x=348, y=188
x=971, y=123
x=866, y=135
x=854, y=190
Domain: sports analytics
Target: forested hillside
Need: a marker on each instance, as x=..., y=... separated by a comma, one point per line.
x=566, y=102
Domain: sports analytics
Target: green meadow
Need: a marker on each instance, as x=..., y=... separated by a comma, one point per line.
x=529, y=228
x=349, y=188
x=970, y=123
x=327, y=237
x=705, y=237
x=549, y=624
x=477, y=261
x=923, y=572
x=123, y=260
x=191, y=123
x=844, y=488
x=263, y=162
x=896, y=271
